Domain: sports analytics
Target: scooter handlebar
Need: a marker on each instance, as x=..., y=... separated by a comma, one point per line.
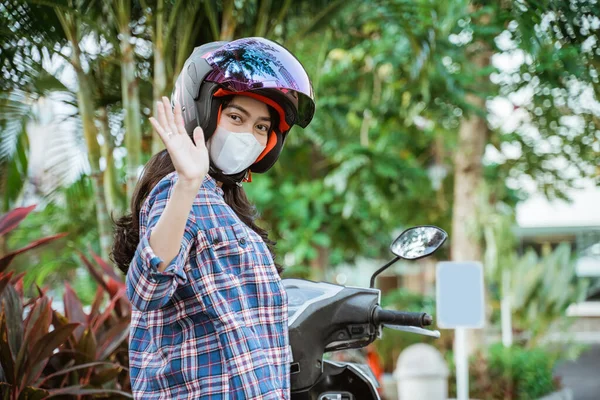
x=402, y=318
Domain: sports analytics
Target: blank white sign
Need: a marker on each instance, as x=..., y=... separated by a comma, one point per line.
x=459, y=295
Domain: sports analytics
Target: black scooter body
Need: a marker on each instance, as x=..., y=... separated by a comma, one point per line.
x=341, y=381
x=324, y=317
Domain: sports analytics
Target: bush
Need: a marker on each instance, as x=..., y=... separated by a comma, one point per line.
x=508, y=373
x=44, y=353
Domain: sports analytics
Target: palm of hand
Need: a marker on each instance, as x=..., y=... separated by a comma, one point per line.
x=190, y=160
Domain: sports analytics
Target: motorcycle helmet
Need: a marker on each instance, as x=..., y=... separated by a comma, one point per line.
x=254, y=67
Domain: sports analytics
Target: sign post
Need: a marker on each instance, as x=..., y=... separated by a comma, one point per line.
x=460, y=306
x=506, y=310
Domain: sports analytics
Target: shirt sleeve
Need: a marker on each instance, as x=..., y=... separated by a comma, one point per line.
x=147, y=287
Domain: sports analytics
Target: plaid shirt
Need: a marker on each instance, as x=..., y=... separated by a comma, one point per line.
x=213, y=325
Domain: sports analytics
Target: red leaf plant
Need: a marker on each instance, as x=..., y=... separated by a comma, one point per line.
x=45, y=354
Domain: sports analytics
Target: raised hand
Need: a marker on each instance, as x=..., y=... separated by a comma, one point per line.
x=190, y=161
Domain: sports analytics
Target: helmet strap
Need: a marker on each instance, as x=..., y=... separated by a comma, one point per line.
x=228, y=180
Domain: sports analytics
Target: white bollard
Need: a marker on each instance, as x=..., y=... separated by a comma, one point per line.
x=421, y=373
x=389, y=387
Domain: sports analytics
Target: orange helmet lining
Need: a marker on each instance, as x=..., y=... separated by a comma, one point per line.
x=283, y=126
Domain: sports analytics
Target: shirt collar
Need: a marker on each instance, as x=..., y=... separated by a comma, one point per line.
x=211, y=184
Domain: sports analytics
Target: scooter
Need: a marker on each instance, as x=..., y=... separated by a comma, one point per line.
x=325, y=317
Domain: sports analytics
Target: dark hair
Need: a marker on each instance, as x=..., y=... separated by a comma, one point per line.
x=127, y=232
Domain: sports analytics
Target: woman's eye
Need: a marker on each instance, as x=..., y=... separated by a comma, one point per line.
x=234, y=117
x=263, y=128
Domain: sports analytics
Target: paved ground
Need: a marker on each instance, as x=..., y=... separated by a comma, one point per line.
x=583, y=375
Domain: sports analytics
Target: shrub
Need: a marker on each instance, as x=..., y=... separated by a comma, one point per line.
x=44, y=353
x=508, y=373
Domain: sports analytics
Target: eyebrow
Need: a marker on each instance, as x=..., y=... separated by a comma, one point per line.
x=244, y=111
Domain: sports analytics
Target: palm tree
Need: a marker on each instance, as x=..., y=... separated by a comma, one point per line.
x=73, y=30
x=120, y=14
x=52, y=28
x=15, y=112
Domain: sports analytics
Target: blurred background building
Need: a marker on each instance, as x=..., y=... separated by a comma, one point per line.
x=544, y=224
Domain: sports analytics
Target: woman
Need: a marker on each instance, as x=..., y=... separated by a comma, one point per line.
x=209, y=317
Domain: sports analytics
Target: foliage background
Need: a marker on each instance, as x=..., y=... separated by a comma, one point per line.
x=445, y=113
x=396, y=81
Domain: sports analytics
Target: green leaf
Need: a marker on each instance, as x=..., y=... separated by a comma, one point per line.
x=44, y=349
x=108, y=269
x=87, y=345
x=6, y=356
x=38, y=321
x=321, y=239
x=12, y=219
x=13, y=310
x=4, y=281
x=80, y=390
x=96, y=304
x=77, y=368
x=113, y=338
x=108, y=310
x=6, y=390
x=32, y=393
x=74, y=310
x=106, y=375
x=95, y=274
x=5, y=261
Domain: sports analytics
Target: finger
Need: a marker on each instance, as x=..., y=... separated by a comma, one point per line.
x=199, y=137
x=159, y=129
x=179, y=120
x=169, y=113
x=160, y=116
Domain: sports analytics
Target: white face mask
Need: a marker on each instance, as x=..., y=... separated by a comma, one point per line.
x=233, y=152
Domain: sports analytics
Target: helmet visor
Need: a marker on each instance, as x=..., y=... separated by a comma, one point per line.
x=256, y=63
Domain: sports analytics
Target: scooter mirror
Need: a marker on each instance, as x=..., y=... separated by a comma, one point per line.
x=418, y=242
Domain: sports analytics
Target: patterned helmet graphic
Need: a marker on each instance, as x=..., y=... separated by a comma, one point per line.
x=251, y=64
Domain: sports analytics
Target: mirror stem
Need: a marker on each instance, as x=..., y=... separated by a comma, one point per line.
x=380, y=270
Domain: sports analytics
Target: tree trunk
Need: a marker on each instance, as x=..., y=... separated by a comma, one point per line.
x=113, y=199
x=262, y=18
x=86, y=111
x=184, y=14
x=159, y=86
x=186, y=37
x=131, y=104
x=4, y=202
x=228, y=22
x=86, y=108
x=318, y=265
x=468, y=178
